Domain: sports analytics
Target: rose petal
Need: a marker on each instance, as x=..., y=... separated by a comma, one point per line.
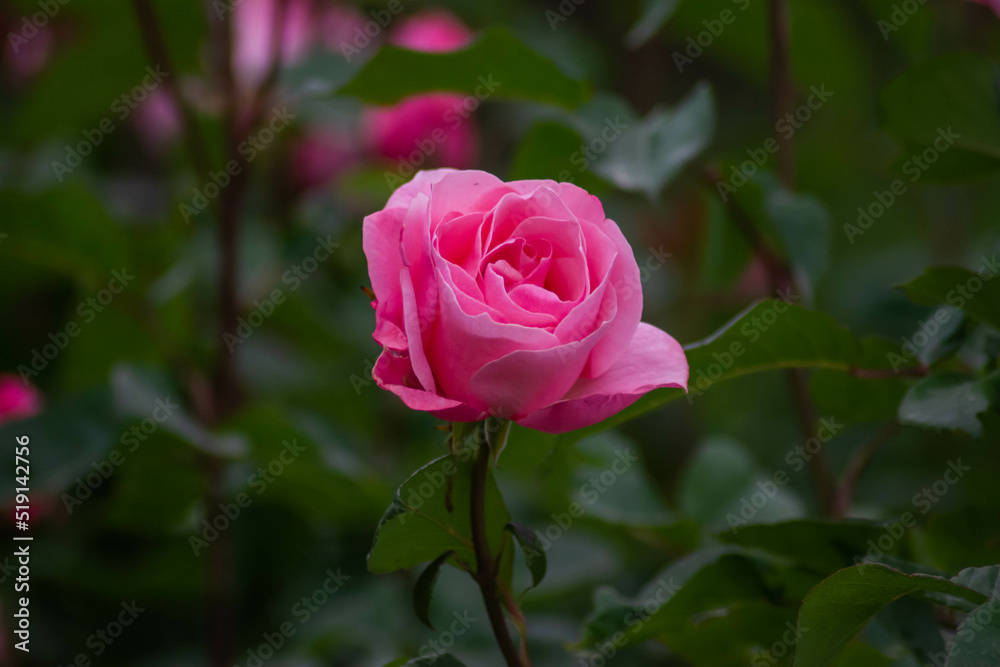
x=523, y=381
x=380, y=238
x=653, y=360
x=584, y=205
x=391, y=373
x=627, y=287
x=417, y=319
x=465, y=192
x=460, y=343
x=419, y=184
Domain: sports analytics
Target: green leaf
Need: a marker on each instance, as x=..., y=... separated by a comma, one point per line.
x=547, y=151
x=840, y=606
x=726, y=253
x=712, y=608
x=949, y=401
x=961, y=288
x=496, y=65
x=977, y=639
x=771, y=335
x=431, y=515
x=859, y=400
x=821, y=546
x=67, y=231
x=534, y=553
x=952, y=92
x=613, y=614
x=424, y=589
x=651, y=152
x=963, y=538
x=67, y=98
x=803, y=225
x=723, y=487
x=71, y=434
x=799, y=224
x=144, y=393
x=985, y=580
x=655, y=14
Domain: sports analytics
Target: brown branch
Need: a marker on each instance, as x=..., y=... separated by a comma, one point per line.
x=782, y=86
x=156, y=48
x=857, y=465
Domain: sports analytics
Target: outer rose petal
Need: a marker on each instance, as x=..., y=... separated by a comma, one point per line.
x=420, y=184
x=627, y=286
x=380, y=238
x=391, y=373
x=653, y=360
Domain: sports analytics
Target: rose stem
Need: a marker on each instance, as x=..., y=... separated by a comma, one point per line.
x=486, y=566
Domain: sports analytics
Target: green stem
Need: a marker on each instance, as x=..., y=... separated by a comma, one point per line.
x=486, y=568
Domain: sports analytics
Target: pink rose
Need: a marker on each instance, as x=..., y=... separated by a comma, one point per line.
x=519, y=300
x=435, y=128
x=17, y=399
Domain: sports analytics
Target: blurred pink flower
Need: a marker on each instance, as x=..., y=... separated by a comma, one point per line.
x=17, y=399
x=432, y=31
x=318, y=156
x=336, y=25
x=424, y=129
x=24, y=57
x=994, y=4
x=432, y=129
x=157, y=121
x=253, y=36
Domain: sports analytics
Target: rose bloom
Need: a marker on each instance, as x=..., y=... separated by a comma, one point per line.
x=17, y=399
x=519, y=300
x=435, y=120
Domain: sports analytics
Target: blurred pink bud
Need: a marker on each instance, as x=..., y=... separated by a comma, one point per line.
x=432, y=31
x=318, y=157
x=27, y=50
x=18, y=399
x=253, y=36
x=423, y=130
x=426, y=130
x=157, y=121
